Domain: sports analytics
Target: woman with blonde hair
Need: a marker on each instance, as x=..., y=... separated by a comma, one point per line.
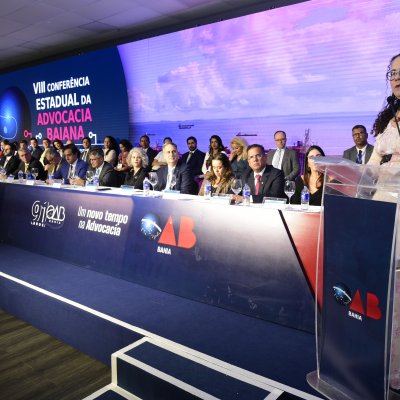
x=138, y=161
x=238, y=156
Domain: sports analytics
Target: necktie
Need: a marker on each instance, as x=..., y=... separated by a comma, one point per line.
x=189, y=156
x=26, y=167
x=258, y=179
x=84, y=155
x=71, y=171
x=359, y=157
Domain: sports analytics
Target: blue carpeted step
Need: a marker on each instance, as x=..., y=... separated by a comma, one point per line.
x=155, y=370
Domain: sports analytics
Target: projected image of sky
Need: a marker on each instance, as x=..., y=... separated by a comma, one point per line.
x=318, y=65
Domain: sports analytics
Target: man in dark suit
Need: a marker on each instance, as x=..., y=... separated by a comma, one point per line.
x=361, y=152
x=102, y=169
x=283, y=158
x=36, y=149
x=264, y=180
x=86, y=144
x=145, y=145
x=182, y=173
x=194, y=158
x=75, y=167
x=27, y=163
x=9, y=161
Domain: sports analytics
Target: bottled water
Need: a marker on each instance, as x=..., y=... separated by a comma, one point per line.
x=207, y=189
x=305, y=198
x=246, y=195
x=28, y=175
x=146, y=187
x=96, y=181
x=20, y=176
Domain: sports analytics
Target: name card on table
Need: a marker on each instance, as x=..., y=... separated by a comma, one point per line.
x=221, y=199
x=30, y=182
x=171, y=194
x=57, y=183
x=10, y=178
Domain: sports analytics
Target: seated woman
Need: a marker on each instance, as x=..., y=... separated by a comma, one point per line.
x=215, y=148
x=312, y=178
x=138, y=161
x=220, y=175
x=125, y=147
x=238, y=156
x=111, y=150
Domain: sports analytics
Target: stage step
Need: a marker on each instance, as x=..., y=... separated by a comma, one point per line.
x=151, y=369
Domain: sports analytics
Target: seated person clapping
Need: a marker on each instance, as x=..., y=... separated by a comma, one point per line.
x=312, y=178
x=138, y=162
x=220, y=176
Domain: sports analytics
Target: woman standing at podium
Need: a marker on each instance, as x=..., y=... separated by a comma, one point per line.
x=386, y=126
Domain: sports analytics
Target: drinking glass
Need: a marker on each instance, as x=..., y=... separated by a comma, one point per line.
x=89, y=176
x=153, y=179
x=236, y=186
x=290, y=188
x=34, y=172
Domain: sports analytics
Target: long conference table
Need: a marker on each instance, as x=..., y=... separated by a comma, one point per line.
x=257, y=260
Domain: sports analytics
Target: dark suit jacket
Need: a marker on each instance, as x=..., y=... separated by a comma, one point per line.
x=351, y=154
x=184, y=178
x=108, y=176
x=195, y=162
x=290, y=163
x=33, y=164
x=136, y=180
x=151, y=153
x=37, y=153
x=272, y=183
x=63, y=171
x=85, y=155
x=12, y=165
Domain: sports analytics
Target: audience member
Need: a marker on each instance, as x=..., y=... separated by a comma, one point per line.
x=125, y=147
x=194, y=158
x=215, y=147
x=23, y=144
x=238, y=156
x=9, y=161
x=53, y=161
x=220, y=175
x=87, y=146
x=75, y=167
x=138, y=162
x=110, y=150
x=105, y=173
x=145, y=145
x=361, y=152
x=59, y=146
x=283, y=158
x=27, y=163
x=159, y=159
x=182, y=173
x=46, y=146
x=312, y=178
x=264, y=180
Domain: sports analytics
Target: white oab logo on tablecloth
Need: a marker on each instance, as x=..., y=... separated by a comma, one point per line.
x=46, y=214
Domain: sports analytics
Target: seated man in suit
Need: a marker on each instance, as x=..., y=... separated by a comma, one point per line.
x=361, y=152
x=104, y=171
x=87, y=146
x=182, y=173
x=53, y=161
x=75, y=167
x=9, y=161
x=27, y=163
x=145, y=145
x=36, y=149
x=194, y=158
x=283, y=158
x=264, y=180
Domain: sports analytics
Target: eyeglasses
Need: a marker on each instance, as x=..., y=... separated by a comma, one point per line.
x=391, y=75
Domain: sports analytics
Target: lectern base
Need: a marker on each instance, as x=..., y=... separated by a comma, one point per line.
x=324, y=388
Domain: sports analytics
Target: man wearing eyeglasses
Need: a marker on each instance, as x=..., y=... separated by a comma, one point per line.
x=283, y=158
x=361, y=152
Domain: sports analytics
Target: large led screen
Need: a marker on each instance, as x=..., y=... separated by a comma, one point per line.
x=317, y=67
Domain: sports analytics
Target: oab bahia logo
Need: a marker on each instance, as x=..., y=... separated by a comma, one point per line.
x=46, y=214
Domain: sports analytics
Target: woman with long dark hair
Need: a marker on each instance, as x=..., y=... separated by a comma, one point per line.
x=312, y=178
x=215, y=147
x=111, y=150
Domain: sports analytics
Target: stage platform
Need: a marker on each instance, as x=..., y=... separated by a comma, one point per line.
x=100, y=314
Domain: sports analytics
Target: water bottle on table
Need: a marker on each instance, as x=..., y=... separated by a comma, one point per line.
x=246, y=195
x=20, y=176
x=305, y=198
x=146, y=187
x=207, y=189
